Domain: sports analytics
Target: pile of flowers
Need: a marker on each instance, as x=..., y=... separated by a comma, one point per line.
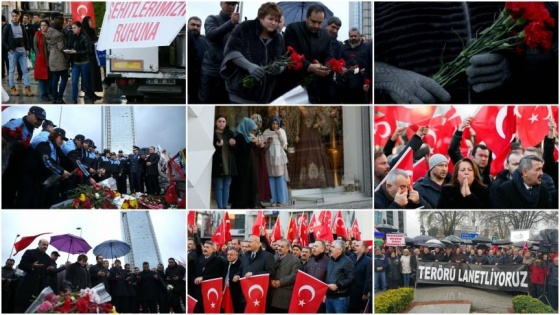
x=291, y=59
x=518, y=24
x=16, y=134
x=88, y=300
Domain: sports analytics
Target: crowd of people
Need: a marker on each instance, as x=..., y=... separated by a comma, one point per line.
x=132, y=290
x=396, y=267
x=61, y=47
x=29, y=164
x=250, y=163
x=232, y=50
x=344, y=265
x=529, y=179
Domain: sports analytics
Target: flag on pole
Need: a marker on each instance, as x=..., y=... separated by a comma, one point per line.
x=291, y=233
x=26, y=241
x=255, y=289
x=276, y=230
x=302, y=230
x=325, y=227
x=308, y=294
x=356, y=230
x=259, y=221
x=81, y=9
x=219, y=237
x=340, y=226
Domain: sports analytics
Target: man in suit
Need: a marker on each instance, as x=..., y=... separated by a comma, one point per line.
x=234, y=263
x=37, y=265
x=99, y=273
x=209, y=266
x=516, y=259
x=282, y=284
x=152, y=172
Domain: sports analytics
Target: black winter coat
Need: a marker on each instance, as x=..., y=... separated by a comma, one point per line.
x=262, y=264
x=217, y=160
x=83, y=48
x=119, y=286
x=317, y=266
x=217, y=29
x=35, y=279
x=78, y=276
x=451, y=198
x=340, y=272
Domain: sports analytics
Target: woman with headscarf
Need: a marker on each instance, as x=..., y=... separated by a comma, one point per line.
x=41, y=69
x=223, y=161
x=259, y=154
x=244, y=185
x=277, y=161
x=466, y=189
x=95, y=69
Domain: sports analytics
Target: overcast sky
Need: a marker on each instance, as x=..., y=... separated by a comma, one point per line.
x=97, y=226
x=202, y=9
x=163, y=125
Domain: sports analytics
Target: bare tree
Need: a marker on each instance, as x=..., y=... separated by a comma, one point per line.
x=448, y=220
x=502, y=222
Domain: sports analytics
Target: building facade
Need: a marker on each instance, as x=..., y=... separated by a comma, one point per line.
x=118, y=128
x=138, y=232
x=395, y=218
x=361, y=18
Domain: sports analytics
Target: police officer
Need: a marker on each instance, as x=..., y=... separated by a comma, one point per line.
x=114, y=167
x=17, y=134
x=104, y=165
x=48, y=155
x=73, y=154
x=136, y=171
x=89, y=160
x=48, y=127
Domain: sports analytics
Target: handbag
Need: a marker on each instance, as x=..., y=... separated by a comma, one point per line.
x=29, y=64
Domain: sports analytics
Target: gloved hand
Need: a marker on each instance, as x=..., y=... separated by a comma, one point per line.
x=407, y=87
x=276, y=70
x=487, y=71
x=253, y=69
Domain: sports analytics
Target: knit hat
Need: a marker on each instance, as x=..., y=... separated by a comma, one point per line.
x=436, y=159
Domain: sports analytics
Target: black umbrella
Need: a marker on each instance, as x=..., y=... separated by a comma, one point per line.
x=434, y=243
x=502, y=242
x=409, y=240
x=296, y=11
x=483, y=246
x=535, y=238
x=386, y=228
x=448, y=243
x=422, y=239
x=481, y=239
x=453, y=238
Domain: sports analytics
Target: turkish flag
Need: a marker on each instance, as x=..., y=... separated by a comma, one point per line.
x=419, y=169
x=26, y=241
x=219, y=237
x=308, y=294
x=276, y=230
x=316, y=225
x=356, y=230
x=325, y=227
x=292, y=228
x=434, y=123
x=227, y=227
x=495, y=126
x=227, y=302
x=532, y=124
x=255, y=289
x=259, y=221
x=525, y=247
x=81, y=9
x=384, y=125
x=445, y=133
x=212, y=294
x=405, y=163
x=409, y=113
x=191, y=303
x=499, y=160
x=191, y=218
x=340, y=226
x=302, y=230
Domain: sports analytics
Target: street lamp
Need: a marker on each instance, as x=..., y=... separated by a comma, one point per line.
x=79, y=228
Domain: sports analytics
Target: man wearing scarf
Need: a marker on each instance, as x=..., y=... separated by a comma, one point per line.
x=525, y=190
x=355, y=55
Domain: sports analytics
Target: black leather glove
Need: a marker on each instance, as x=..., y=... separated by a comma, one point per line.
x=488, y=71
x=407, y=87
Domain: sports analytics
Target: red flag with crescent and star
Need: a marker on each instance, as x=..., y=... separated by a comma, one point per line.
x=212, y=294
x=276, y=230
x=255, y=289
x=191, y=303
x=495, y=126
x=219, y=236
x=26, y=241
x=291, y=233
x=532, y=124
x=259, y=221
x=81, y=9
x=325, y=227
x=303, y=230
x=356, y=230
x=340, y=226
x=308, y=294
x=227, y=227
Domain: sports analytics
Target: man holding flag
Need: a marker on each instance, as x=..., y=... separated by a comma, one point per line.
x=209, y=266
x=282, y=283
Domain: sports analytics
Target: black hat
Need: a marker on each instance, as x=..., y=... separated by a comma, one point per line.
x=55, y=253
x=48, y=122
x=120, y=151
x=80, y=137
x=61, y=132
x=39, y=112
x=135, y=147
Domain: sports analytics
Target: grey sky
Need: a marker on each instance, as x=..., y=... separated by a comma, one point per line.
x=97, y=226
x=202, y=9
x=163, y=125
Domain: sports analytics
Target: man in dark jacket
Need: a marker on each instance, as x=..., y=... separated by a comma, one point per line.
x=512, y=162
x=397, y=193
x=525, y=190
x=380, y=263
x=361, y=286
x=149, y=283
x=15, y=41
x=119, y=288
x=37, y=265
x=194, y=24
x=175, y=276
x=516, y=259
x=152, y=172
x=308, y=38
x=480, y=258
x=233, y=266
x=340, y=276
x=99, y=273
x=136, y=171
x=429, y=186
x=426, y=255
x=355, y=54
x=317, y=265
x=217, y=29
x=209, y=266
x=256, y=261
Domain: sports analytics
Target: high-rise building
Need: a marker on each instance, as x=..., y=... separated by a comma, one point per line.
x=138, y=232
x=361, y=17
x=118, y=128
x=395, y=218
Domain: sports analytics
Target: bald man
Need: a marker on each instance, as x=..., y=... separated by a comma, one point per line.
x=37, y=265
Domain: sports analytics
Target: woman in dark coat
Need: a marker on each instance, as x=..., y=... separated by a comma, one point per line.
x=95, y=69
x=244, y=185
x=253, y=45
x=465, y=190
x=394, y=271
x=77, y=275
x=81, y=50
x=223, y=161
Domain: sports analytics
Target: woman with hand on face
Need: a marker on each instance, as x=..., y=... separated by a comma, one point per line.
x=223, y=161
x=466, y=190
x=277, y=161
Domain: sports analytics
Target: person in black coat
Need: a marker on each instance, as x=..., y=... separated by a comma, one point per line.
x=244, y=185
x=99, y=273
x=152, y=172
x=175, y=276
x=209, y=266
x=308, y=38
x=525, y=190
x=256, y=261
x=426, y=255
x=253, y=45
x=77, y=276
x=224, y=165
x=458, y=256
x=438, y=254
x=361, y=285
x=37, y=265
x=233, y=266
x=149, y=283
x=119, y=288
x=394, y=271
x=136, y=171
x=465, y=190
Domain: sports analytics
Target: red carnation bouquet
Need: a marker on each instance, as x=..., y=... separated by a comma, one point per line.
x=519, y=24
x=290, y=59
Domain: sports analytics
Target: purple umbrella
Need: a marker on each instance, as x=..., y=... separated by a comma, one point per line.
x=70, y=243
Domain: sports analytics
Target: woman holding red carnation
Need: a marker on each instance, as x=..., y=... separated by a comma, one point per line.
x=253, y=45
